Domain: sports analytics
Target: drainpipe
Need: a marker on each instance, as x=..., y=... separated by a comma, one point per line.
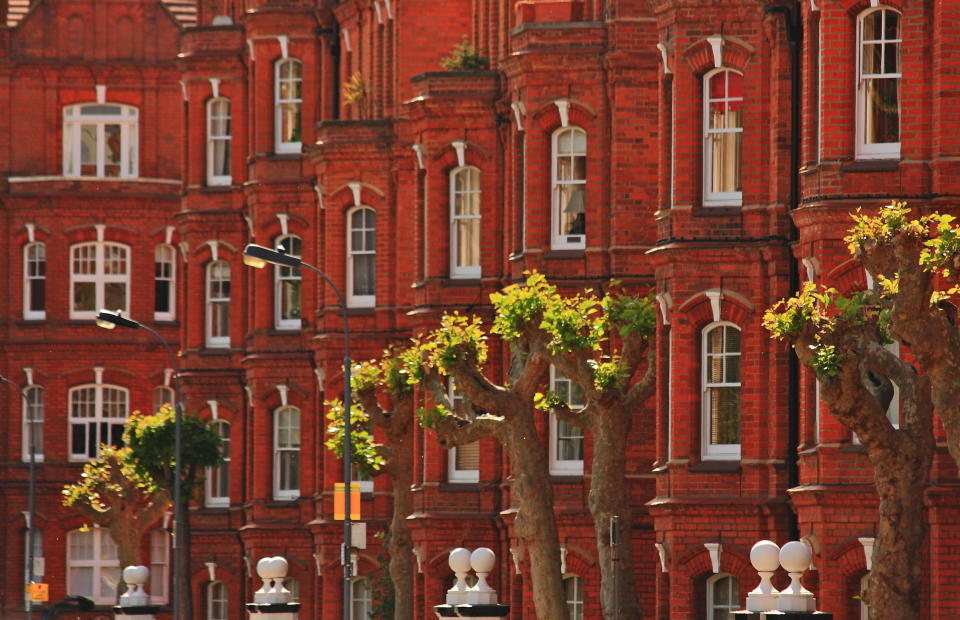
x=792, y=16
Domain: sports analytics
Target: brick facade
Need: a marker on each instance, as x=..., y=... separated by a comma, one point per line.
x=632, y=75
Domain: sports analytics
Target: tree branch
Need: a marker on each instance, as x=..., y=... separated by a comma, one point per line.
x=641, y=390
x=452, y=432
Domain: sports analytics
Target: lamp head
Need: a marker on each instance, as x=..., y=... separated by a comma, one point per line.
x=108, y=319
x=258, y=256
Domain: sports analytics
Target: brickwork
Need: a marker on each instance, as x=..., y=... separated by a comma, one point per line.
x=631, y=75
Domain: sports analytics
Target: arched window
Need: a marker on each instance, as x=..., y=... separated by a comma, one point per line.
x=286, y=453
x=361, y=258
x=465, y=222
x=566, y=440
x=293, y=586
x=217, y=601
x=721, y=391
x=723, y=593
x=93, y=568
x=35, y=281
x=286, y=296
x=97, y=414
x=99, y=278
x=159, y=565
x=100, y=140
x=362, y=599
x=463, y=462
x=218, y=141
x=573, y=593
x=218, y=478
x=569, y=182
x=33, y=413
x=722, y=137
x=878, y=84
x=164, y=275
x=218, y=304
x=288, y=99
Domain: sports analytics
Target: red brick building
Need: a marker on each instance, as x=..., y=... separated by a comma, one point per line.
x=708, y=151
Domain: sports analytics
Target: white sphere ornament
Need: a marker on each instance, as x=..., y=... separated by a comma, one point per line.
x=482, y=560
x=272, y=568
x=136, y=575
x=765, y=556
x=460, y=560
x=795, y=556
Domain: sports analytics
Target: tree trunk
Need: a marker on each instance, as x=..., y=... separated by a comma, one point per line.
x=127, y=539
x=536, y=525
x=893, y=588
x=399, y=541
x=610, y=496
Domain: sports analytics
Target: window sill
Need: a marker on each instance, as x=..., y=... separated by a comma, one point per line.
x=715, y=467
x=461, y=487
x=564, y=254
x=871, y=165
x=716, y=211
x=566, y=478
x=363, y=311
x=214, y=351
x=853, y=448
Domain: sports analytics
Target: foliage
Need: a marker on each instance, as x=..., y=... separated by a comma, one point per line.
x=381, y=591
x=356, y=92
x=465, y=57
x=364, y=446
x=459, y=339
x=114, y=476
x=151, y=439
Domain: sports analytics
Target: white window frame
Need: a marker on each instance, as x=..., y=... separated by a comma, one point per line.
x=709, y=451
x=474, y=221
x=282, y=451
x=454, y=474
x=287, y=276
x=99, y=418
x=98, y=563
x=217, y=340
x=877, y=150
x=353, y=300
x=39, y=406
x=710, y=197
x=574, y=599
x=212, y=498
x=165, y=270
x=217, y=596
x=734, y=603
x=281, y=146
x=99, y=278
x=558, y=466
x=74, y=119
x=219, y=140
x=363, y=600
x=34, y=275
x=159, y=566
x=562, y=241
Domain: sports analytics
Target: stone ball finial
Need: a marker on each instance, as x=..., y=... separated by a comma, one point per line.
x=482, y=560
x=460, y=560
x=136, y=575
x=795, y=556
x=765, y=556
x=272, y=568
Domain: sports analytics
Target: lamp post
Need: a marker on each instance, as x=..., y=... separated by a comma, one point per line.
x=108, y=319
x=258, y=256
x=31, y=485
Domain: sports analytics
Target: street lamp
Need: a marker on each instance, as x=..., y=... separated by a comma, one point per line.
x=31, y=495
x=258, y=257
x=108, y=319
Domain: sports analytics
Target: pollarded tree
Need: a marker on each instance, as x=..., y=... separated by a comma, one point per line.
x=151, y=440
x=842, y=339
x=543, y=327
x=114, y=495
x=919, y=262
x=369, y=380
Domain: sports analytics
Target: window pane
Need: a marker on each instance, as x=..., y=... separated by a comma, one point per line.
x=468, y=242
x=725, y=156
x=161, y=296
x=37, y=295
x=468, y=456
x=111, y=134
x=81, y=581
x=88, y=150
x=724, y=415
x=569, y=442
x=290, y=122
x=115, y=295
x=85, y=296
x=882, y=114
x=290, y=299
x=221, y=158
x=572, y=210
